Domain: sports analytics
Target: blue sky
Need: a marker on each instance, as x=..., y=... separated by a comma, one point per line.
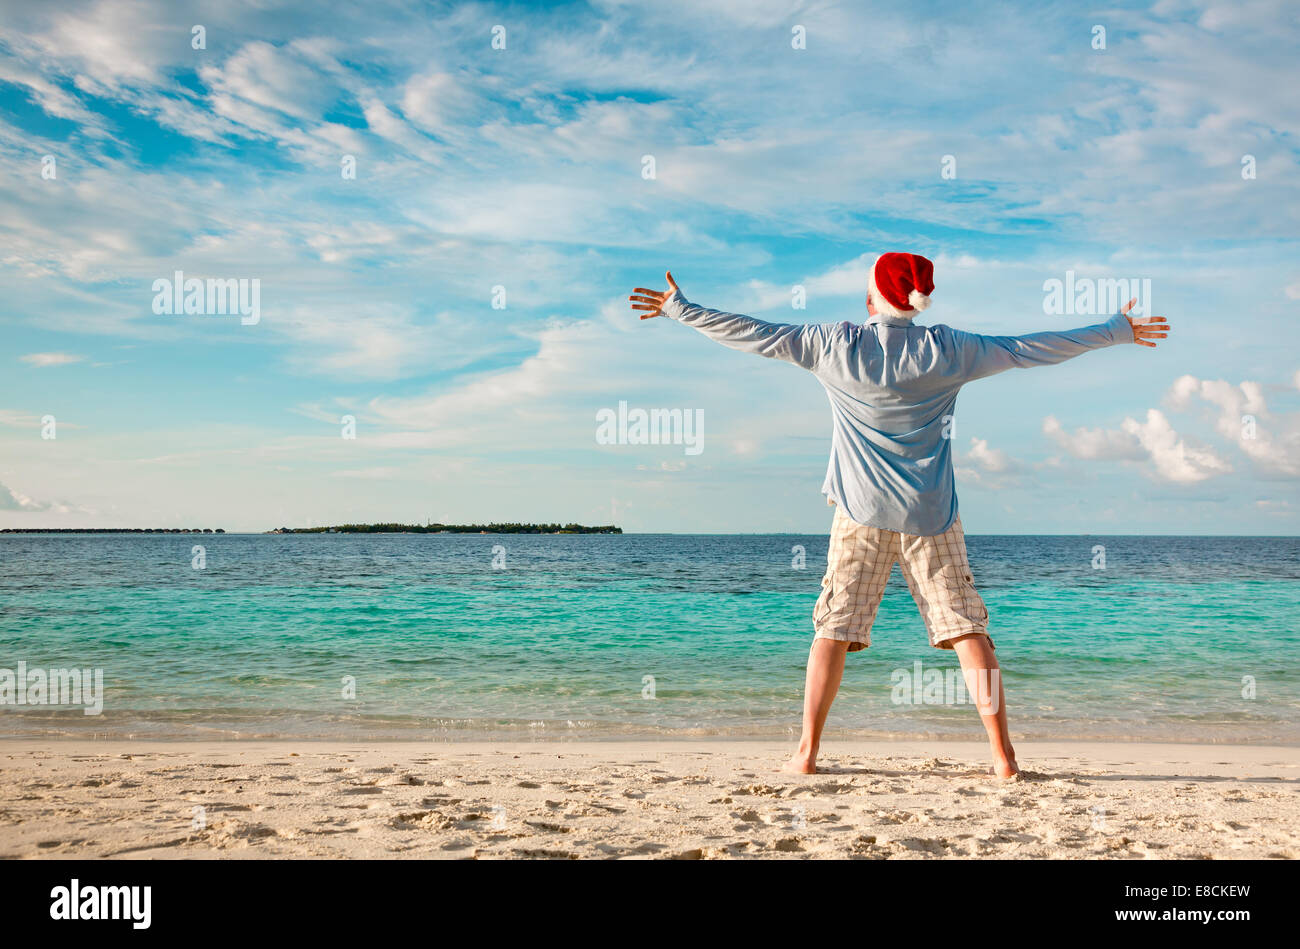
x=522, y=168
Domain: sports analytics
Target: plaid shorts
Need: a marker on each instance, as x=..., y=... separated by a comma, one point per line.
x=858, y=566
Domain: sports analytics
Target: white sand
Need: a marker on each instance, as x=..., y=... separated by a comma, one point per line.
x=642, y=799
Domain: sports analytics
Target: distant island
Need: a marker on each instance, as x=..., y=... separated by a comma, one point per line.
x=511, y=528
x=110, y=530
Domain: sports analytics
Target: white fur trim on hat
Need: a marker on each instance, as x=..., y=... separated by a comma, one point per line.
x=883, y=306
x=918, y=300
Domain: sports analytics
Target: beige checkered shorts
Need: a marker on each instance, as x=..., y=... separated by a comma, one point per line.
x=937, y=572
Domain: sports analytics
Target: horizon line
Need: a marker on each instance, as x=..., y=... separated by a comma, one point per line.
x=624, y=533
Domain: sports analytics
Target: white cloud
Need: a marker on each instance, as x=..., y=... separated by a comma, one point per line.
x=391, y=127
x=1094, y=443
x=41, y=360
x=1174, y=459
x=272, y=78
x=988, y=467
x=564, y=366
x=51, y=97
x=16, y=419
x=431, y=101
x=379, y=341
x=11, y=500
x=847, y=279
x=1243, y=418
x=110, y=44
x=992, y=460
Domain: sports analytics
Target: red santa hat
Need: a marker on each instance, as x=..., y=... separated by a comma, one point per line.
x=901, y=284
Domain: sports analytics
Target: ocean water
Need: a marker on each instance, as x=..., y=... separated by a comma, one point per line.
x=603, y=636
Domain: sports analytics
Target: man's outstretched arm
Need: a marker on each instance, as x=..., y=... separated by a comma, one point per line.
x=978, y=356
x=801, y=344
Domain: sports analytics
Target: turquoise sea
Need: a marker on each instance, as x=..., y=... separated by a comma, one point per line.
x=636, y=635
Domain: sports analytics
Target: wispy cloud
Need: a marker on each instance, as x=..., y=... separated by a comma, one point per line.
x=42, y=360
x=11, y=500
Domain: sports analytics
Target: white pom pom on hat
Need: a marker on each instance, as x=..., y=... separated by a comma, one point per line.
x=918, y=300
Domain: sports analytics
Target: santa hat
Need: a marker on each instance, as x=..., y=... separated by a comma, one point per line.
x=901, y=284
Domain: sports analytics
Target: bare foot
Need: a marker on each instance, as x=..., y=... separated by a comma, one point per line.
x=801, y=764
x=1006, y=768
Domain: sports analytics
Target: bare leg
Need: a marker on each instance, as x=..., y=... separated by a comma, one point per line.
x=825, y=669
x=983, y=677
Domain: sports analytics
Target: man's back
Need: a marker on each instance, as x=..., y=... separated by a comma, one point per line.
x=893, y=388
x=893, y=394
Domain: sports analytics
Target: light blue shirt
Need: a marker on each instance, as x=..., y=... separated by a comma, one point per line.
x=893, y=392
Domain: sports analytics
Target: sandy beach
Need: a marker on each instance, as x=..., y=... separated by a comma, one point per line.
x=683, y=800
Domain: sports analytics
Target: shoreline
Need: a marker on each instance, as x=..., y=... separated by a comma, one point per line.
x=487, y=741
x=721, y=745
x=642, y=799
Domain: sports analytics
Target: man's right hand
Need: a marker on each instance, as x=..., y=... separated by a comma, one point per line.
x=652, y=300
x=1146, y=328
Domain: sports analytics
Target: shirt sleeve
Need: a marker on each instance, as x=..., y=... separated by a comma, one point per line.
x=978, y=356
x=800, y=343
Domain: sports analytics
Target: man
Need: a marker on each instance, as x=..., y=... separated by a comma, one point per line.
x=893, y=390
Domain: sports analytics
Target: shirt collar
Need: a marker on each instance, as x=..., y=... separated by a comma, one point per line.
x=889, y=320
